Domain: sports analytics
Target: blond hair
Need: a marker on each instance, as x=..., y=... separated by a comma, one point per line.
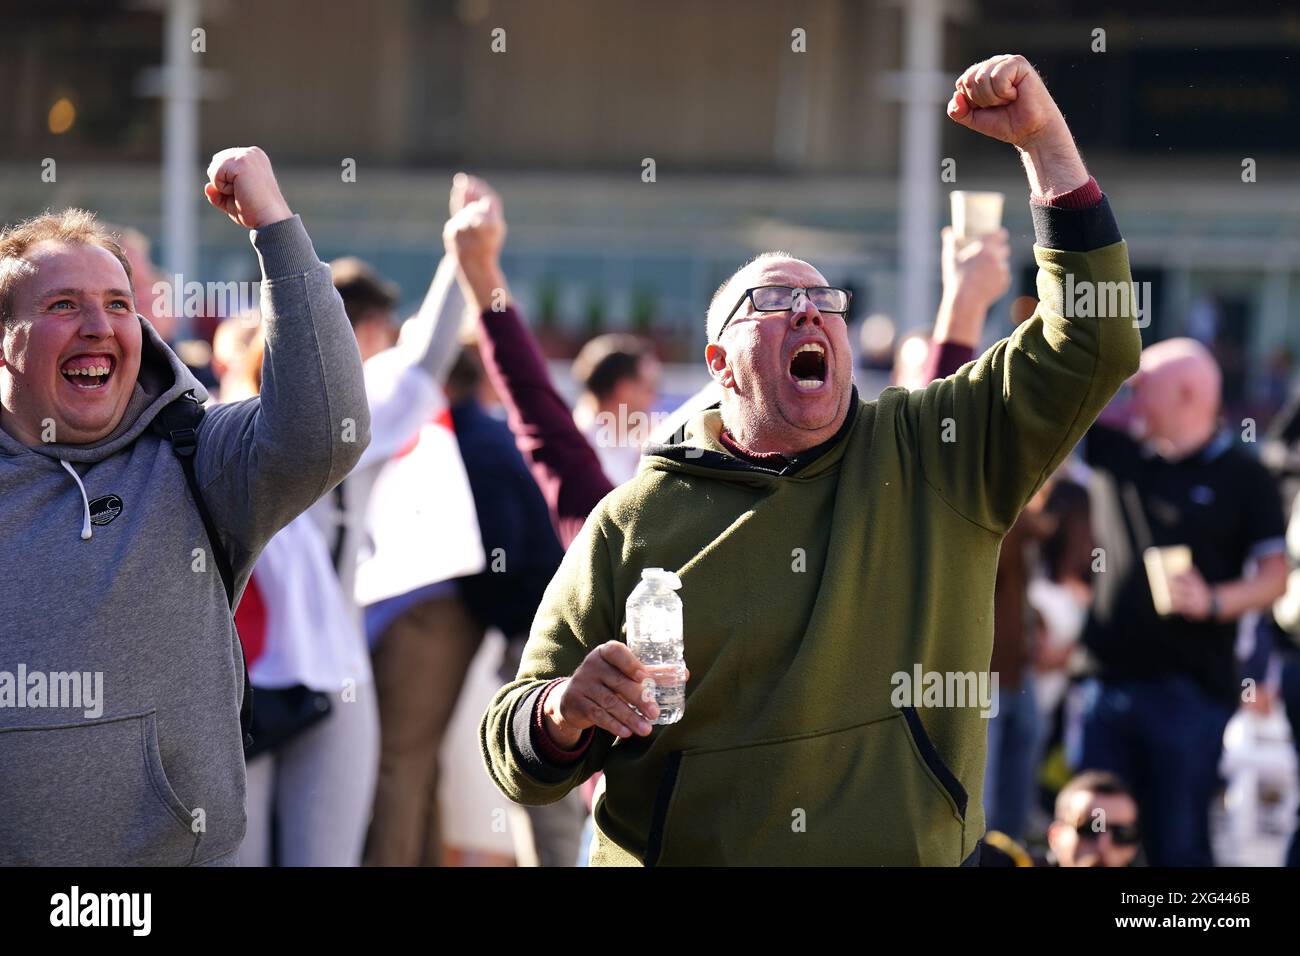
x=71, y=225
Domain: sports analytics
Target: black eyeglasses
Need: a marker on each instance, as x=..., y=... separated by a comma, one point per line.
x=1121, y=834
x=780, y=298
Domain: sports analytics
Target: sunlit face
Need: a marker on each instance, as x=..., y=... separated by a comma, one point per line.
x=70, y=355
x=1102, y=817
x=791, y=373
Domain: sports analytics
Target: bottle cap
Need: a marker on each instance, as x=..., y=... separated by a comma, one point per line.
x=660, y=576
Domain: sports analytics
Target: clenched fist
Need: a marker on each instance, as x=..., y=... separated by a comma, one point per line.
x=474, y=236
x=242, y=184
x=466, y=189
x=476, y=231
x=1004, y=98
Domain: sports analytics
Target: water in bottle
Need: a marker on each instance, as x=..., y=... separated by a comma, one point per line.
x=654, y=635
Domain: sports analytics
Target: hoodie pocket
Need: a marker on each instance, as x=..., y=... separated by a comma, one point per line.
x=92, y=793
x=873, y=794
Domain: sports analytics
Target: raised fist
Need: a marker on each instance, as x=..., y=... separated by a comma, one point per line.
x=242, y=184
x=476, y=230
x=1003, y=97
x=466, y=189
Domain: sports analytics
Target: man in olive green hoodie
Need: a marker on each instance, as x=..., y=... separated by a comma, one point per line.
x=826, y=546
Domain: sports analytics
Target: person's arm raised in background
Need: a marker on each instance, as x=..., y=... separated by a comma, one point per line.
x=431, y=337
x=988, y=436
x=404, y=383
x=563, y=463
x=976, y=273
x=263, y=461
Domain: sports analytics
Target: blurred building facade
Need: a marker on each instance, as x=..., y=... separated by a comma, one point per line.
x=1193, y=133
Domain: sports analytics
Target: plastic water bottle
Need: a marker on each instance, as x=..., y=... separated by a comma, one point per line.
x=654, y=635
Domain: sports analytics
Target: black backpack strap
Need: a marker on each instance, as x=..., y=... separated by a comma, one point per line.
x=178, y=423
x=341, y=527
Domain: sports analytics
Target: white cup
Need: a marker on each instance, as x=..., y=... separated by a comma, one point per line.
x=1163, y=564
x=975, y=214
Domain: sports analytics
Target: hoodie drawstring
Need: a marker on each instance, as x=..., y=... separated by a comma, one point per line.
x=85, y=525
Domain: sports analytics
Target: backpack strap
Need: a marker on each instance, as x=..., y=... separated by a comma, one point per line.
x=178, y=422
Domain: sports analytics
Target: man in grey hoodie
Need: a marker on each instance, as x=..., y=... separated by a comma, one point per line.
x=121, y=676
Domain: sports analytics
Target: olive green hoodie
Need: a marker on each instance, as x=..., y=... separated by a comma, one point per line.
x=807, y=589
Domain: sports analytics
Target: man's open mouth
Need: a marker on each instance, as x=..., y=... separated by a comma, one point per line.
x=808, y=366
x=89, y=371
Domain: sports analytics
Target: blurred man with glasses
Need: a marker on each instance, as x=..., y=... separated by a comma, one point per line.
x=837, y=557
x=1096, y=823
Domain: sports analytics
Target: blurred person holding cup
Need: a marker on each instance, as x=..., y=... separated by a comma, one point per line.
x=1190, y=535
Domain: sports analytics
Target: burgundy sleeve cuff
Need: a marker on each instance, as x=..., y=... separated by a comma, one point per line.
x=542, y=742
x=1085, y=197
x=945, y=358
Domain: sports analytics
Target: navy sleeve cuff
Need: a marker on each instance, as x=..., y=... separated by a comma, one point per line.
x=537, y=754
x=1074, y=230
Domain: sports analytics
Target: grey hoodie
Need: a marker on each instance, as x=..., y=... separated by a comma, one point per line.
x=120, y=671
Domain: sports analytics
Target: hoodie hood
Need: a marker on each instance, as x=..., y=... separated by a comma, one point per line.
x=696, y=448
x=163, y=378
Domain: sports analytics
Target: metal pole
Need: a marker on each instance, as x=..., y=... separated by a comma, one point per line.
x=181, y=180
x=919, y=162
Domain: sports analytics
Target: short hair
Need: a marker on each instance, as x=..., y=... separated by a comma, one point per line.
x=1101, y=782
x=607, y=360
x=466, y=374
x=71, y=225
x=361, y=288
x=714, y=317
